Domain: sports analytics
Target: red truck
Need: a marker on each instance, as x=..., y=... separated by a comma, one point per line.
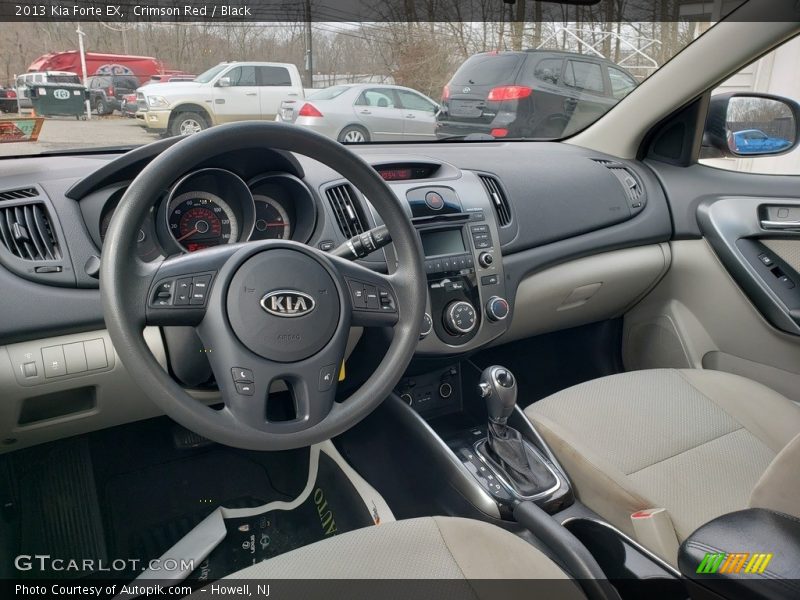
x=142, y=67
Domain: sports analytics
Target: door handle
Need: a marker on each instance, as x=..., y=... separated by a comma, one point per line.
x=365, y=112
x=409, y=116
x=251, y=94
x=781, y=225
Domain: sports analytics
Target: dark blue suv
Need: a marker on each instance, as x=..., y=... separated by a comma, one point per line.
x=530, y=94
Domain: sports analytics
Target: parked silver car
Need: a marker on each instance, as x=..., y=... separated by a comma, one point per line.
x=364, y=112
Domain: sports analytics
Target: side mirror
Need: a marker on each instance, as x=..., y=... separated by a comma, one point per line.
x=750, y=124
x=224, y=82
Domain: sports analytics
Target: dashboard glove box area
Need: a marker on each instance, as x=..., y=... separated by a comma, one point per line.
x=753, y=554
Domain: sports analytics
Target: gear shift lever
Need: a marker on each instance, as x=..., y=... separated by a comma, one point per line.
x=499, y=388
x=505, y=449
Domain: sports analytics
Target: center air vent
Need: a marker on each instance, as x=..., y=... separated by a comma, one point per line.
x=499, y=200
x=29, y=192
x=26, y=232
x=633, y=189
x=349, y=214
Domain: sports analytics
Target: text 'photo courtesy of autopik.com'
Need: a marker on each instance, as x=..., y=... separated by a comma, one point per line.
x=400, y=299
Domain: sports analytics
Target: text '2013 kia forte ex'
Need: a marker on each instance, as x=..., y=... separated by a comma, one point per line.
x=494, y=299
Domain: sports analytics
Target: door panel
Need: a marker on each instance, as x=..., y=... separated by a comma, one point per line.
x=735, y=226
x=698, y=316
x=239, y=101
x=379, y=110
x=275, y=84
x=418, y=116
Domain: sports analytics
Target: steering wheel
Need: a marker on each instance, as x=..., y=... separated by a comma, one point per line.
x=264, y=311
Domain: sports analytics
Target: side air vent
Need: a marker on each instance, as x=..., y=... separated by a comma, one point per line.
x=499, y=200
x=633, y=189
x=26, y=232
x=349, y=214
x=19, y=194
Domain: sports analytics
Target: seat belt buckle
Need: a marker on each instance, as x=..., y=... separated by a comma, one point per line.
x=654, y=530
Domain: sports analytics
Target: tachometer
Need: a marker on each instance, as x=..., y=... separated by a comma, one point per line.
x=200, y=220
x=272, y=220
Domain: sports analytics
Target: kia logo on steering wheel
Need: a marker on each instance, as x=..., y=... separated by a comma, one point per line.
x=288, y=303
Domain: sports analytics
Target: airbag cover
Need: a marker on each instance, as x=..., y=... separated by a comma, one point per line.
x=283, y=305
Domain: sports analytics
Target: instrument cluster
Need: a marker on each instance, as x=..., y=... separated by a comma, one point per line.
x=212, y=206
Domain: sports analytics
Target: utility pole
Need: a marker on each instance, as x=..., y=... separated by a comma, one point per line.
x=309, y=57
x=83, y=68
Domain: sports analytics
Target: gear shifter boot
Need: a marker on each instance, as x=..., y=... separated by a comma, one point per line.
x=516, y=461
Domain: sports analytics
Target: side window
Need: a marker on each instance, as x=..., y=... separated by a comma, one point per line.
x=774, y=74
x=379, y=98
x=621, y=83
x=242, y=76
x=584, y=76
x=549, y=70
x=413, y=101
x=274, y=76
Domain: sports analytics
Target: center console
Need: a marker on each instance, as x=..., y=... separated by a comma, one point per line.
x=467, y=304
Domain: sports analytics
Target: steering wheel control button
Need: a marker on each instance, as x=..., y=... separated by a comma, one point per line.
x=497, y=308
x=183, y=291
x=291, y=331
x=460, y=317
x=368, y=297
x=246, y=388
x=191, y=290
x=241, y=375
x=55, y=364
x=372, y=297
x=200, y=285
x=327, y=376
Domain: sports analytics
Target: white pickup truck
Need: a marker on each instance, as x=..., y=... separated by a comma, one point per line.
x=230, y=91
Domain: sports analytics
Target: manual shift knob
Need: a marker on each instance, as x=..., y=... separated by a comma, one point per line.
x=499, y=388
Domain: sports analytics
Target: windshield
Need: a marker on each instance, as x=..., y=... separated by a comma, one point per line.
x=329, y=93
x=207, y=76
x=473, y=81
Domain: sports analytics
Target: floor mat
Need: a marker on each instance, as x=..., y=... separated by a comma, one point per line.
x=57, y=504
x=151, y=509
x=333, y=507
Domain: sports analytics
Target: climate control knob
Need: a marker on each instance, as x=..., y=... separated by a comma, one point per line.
x=460, y=317
x=497, y=308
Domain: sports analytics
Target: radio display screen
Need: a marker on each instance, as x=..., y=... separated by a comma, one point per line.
x=440, y=243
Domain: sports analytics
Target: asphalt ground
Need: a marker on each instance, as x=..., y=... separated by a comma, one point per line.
x=60, y=134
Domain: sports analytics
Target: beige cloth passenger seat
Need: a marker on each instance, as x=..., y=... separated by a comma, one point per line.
x=698, y=443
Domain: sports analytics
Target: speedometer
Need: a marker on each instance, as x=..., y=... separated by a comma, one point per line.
x=200, y=220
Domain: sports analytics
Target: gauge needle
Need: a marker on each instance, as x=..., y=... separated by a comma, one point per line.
x=191, y=233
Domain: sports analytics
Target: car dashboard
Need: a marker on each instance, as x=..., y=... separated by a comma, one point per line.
x=492, y=218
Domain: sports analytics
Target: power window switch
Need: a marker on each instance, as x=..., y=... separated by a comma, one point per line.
x=787, y=283
x=766, y=259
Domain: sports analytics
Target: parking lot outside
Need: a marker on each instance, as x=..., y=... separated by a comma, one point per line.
x=61, y=134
